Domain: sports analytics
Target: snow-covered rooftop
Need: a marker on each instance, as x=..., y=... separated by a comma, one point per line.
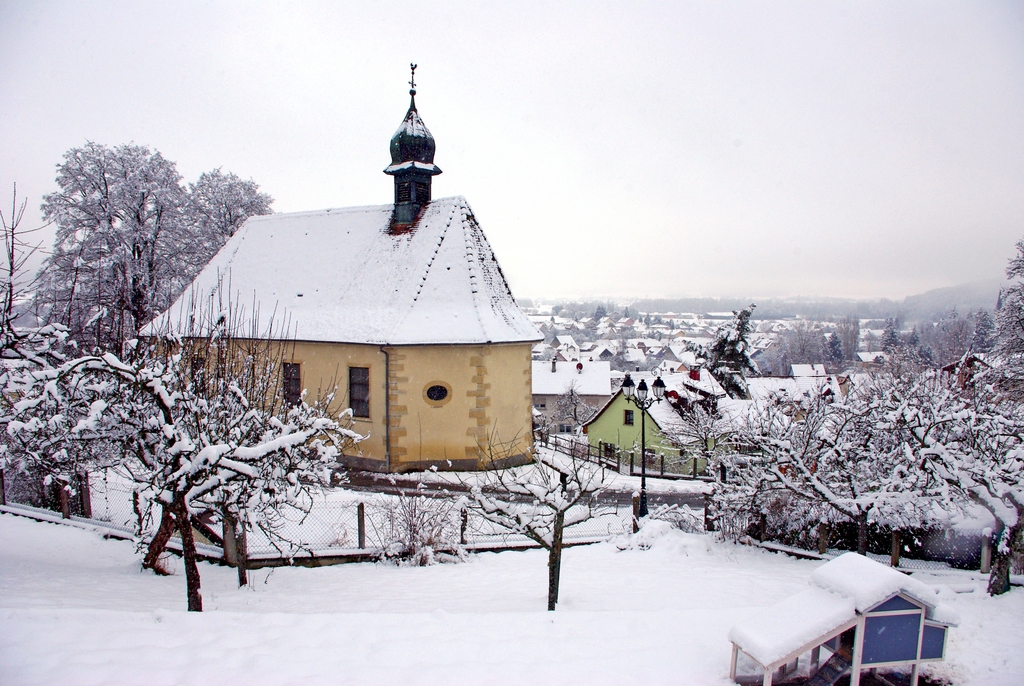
x=868, y=583
x=595, y=378
x=809, y=370
x=338, y=275
x=771, y=634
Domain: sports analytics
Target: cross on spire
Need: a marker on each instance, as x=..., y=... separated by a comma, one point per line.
x=412, y=81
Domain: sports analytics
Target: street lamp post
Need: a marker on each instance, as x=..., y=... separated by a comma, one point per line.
x=638, y=395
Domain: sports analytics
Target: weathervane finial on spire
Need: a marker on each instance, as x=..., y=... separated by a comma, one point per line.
x=412, y=81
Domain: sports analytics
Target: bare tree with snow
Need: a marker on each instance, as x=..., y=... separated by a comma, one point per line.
x=197, y=422
x=130, y=237
x=571, y=408
x=835, y=456
x=971, y=440
x=540, y=500
x=702, y=429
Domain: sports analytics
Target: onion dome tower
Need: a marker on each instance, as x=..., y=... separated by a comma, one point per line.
x=412, y=163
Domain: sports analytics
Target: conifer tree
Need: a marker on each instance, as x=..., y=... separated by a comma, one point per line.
x=984, y=338
x=834, y=349
x=728, y=355
x=890, y=338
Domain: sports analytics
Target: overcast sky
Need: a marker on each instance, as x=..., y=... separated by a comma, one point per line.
x=852, y=149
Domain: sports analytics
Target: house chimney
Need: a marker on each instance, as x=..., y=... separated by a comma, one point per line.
x=554, y=361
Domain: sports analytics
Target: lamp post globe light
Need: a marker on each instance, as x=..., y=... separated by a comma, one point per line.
x=638, y=394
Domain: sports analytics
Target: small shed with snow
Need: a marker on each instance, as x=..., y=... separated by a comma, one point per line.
x=863, y=613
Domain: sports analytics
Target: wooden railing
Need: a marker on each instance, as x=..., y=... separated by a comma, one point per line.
x=580, y=450
x=611, y=457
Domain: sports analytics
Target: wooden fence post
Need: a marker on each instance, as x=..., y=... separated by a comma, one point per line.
x=894, y=556
x=242, y=557
x=3, y=494
x=636, y=512
x=763, y=532
x=463, y=525
x=65, y=501
x=663, y=464
x=631, y=463
x=229, y=536
x=707, y=521
x=986, y=551
x=822, y=538
x=85, y=494
x=361, y=524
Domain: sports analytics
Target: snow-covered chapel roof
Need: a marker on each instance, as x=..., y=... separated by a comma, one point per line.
x=339, y=275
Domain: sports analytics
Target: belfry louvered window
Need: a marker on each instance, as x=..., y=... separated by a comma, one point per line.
x=422, y=192
x=403, y=192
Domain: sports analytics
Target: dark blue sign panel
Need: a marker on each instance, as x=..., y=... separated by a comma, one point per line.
x=891, y=638
x=894, y=604
x=933, y=641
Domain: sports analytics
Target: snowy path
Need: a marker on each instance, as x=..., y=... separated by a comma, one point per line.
x=76, y=610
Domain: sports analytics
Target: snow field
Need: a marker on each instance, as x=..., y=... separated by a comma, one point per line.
x=75, y=609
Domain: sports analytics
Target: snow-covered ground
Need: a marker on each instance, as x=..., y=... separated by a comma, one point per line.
x=75, y=609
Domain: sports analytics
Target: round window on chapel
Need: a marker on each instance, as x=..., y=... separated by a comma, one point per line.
x=437, y=393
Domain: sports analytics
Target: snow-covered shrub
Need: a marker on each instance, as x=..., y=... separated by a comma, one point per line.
x=419, y=530
x=679, y=516
x=645, y=538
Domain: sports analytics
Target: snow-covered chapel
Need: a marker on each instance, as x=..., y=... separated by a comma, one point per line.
x=403, y=307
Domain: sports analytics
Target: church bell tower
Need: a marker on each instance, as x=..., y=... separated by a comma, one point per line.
x=412, y=163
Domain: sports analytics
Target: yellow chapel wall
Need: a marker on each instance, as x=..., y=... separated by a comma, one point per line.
x=324, y=368
x=487, y=414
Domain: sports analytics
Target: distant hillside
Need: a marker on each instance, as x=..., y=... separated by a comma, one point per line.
x=965, y=297
x=924, y=306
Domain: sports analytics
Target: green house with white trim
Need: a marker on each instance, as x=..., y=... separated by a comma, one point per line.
x=616, y=426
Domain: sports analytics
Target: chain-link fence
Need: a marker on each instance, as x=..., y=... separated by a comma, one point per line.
x=399, y=525
x=334, y=524
x=112, y=500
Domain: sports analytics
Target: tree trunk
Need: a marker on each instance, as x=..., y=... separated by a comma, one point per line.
x=555, y=561
x=188, y=549
x=1002, y=558
x=894, y=556
x=862, y=533
x=159, y=542
x=822, y=538
x=636, y=510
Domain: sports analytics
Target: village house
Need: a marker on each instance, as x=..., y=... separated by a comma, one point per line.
x=551, y=380
x=402, y=308
x=617, y=425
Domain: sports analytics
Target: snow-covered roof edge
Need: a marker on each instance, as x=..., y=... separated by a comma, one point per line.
x=390, y=309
